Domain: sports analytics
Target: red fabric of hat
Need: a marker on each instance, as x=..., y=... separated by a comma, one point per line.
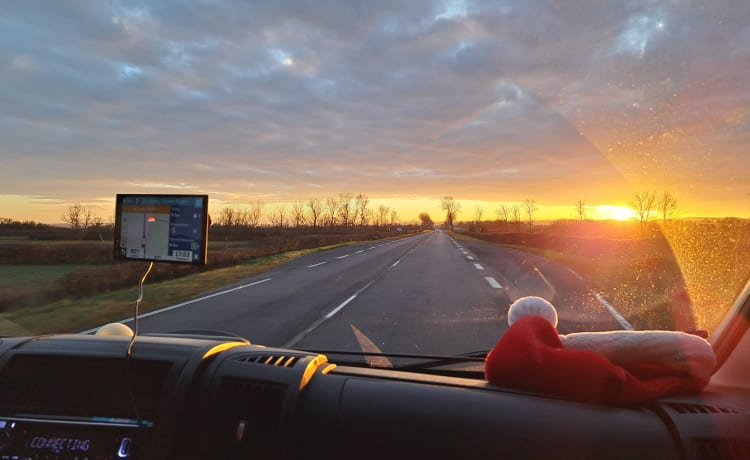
x=531, y=357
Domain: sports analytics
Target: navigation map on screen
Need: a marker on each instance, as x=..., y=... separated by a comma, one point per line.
x=171, y=228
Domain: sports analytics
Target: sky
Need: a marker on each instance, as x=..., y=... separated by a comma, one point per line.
x=406, y=102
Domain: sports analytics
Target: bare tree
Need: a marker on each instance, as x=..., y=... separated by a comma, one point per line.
x=345, y=209
x=77, y=216
x=515, y=212
x=643, y=204
x=240, y=217
x=332, y=207
x=316, y=208
x=451, y=208
x=361, y=203
x=298, y=213
x=394, y=218
x=666, y=205
x=580, y=210
x=477, y=223
x=529, y=207
x=381, y=216
x=478, y=213
x=278, y=216
x=226, y=217
x=253, y=214
x=355, y=212
x=503, y=213
x=231, y=216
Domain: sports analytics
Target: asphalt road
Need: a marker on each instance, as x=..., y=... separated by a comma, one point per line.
x=422, y=294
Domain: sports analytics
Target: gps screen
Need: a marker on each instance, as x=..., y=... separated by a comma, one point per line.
x=168, y=228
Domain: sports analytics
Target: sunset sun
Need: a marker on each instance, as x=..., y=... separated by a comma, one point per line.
x=614, y=212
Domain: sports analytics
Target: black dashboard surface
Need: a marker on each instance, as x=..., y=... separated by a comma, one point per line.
x=222, y=399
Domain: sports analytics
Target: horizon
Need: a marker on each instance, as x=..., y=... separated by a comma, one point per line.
x=544, y=215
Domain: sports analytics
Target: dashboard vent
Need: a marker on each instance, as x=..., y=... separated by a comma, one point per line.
x=712, y=449
x=271, y=360
x=251, y=415
x=691, y=408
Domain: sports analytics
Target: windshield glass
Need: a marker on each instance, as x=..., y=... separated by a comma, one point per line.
x=381, y=177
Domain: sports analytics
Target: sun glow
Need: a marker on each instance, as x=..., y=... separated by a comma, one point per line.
x=613, y=212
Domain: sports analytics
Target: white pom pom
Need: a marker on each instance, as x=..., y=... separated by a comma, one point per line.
x=532, y=306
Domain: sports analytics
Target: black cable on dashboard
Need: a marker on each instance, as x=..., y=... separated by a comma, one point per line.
x=129, y=353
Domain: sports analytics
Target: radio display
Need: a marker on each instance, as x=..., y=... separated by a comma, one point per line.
x=44, y=440
x=79, y=446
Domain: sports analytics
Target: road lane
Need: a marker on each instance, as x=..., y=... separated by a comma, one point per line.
x=422, y=294
x=434, y=302
x=296, y=295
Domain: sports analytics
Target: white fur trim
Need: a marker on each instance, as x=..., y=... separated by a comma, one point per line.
x=678, y=350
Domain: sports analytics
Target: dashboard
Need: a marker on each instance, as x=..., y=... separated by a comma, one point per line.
x=203, y=397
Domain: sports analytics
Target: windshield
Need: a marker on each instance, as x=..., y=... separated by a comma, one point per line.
x=383, y=177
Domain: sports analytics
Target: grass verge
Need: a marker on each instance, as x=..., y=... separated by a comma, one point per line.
x=22, y=276
x=75, y=315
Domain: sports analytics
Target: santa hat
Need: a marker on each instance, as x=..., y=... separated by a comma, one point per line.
x=618, y=367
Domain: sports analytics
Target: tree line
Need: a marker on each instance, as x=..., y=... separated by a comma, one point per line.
x=345, y=210
x=348, y=210
x=7, y=222
x=651, y=203
x=647, y=205
x=509, y=213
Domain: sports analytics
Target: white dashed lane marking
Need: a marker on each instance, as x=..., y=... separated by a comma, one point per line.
x=342, y=257
x=493, y=282
x=344, y=304
x=316, y=265
x=478, y=267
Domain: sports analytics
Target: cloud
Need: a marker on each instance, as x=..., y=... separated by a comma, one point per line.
x=290, y=99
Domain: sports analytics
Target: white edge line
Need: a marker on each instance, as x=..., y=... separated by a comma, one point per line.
x=576, y=274
x=316, y=265
x=615, y=314
x=182, y=304
x=478, y=267
x=493, y=282
x=343, y=304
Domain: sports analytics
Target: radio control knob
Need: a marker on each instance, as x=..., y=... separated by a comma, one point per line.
x=126, y=448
